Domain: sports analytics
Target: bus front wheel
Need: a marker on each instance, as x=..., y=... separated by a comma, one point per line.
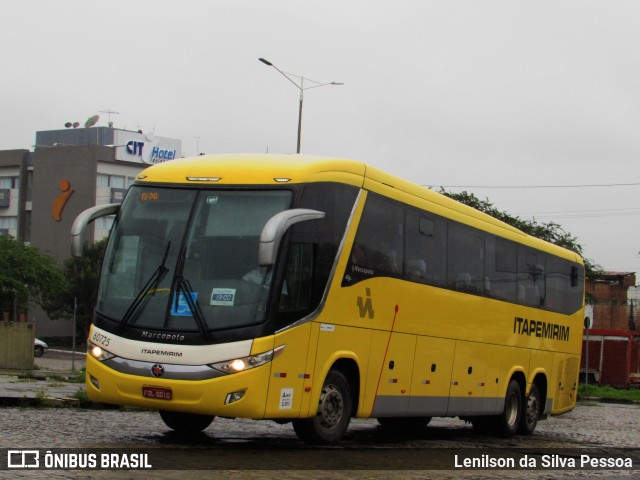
x=186, y=423
x=509, y=421
x=334, y=413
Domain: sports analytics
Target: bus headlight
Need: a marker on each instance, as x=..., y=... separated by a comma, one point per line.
x=245, y=363
x=99, y=353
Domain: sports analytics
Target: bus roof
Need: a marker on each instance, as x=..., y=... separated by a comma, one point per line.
x=256, y=169
x=282, y=169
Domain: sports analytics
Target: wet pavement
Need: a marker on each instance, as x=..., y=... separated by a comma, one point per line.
x=248, y=449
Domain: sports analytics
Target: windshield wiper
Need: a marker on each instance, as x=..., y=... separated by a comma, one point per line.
x=184, y=286
x=148, y=291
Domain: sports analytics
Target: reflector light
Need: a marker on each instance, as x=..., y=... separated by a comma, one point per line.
x=282, y=180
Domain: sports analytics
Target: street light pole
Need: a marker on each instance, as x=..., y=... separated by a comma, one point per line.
x=300, y=114
x=300, y=87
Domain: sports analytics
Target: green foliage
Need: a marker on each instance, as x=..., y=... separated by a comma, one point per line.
x=550, y=231
x=79, y=377
x=82, y=274
x=610, y=393
x=27, y=274
x=83, y=398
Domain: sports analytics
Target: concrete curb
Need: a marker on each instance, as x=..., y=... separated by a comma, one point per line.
x=49, y=384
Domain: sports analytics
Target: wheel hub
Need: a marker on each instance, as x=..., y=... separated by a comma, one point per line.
x=532, y=409
x=331, y=406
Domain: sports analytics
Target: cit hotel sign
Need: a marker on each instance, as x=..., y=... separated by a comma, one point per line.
x=146, y=148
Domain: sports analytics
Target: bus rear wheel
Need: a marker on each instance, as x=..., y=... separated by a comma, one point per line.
x=334, y=413
x=186, y=423
x=531, y=411
x=509, y=421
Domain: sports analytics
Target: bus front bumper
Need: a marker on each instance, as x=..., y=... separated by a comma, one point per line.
x=241, y=394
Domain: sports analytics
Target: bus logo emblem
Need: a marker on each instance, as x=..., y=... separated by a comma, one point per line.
x=157, y=370
x=366, y=306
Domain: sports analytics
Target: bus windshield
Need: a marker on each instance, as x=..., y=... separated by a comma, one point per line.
x=187, y=260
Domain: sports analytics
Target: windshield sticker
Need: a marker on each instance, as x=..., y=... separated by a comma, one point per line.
x=212, y=200
x=181, y=307
x=223, y=297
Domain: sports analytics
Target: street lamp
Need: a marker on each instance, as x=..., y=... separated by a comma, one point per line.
x=300, y=87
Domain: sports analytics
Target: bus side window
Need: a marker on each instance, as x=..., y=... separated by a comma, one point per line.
x=556, y=293
x=531, y=277
x=501, y=268
x=466, y=259
x=574, y=286
x=378, y=249
x=426, y=248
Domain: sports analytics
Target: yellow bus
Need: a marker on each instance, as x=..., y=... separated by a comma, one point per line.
x=313, y=290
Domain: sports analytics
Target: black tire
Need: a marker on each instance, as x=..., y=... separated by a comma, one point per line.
x=186, y=422
x=334, y=413
x=38, y=351
x=530, y=411
x=509, y=421
x=404, y=424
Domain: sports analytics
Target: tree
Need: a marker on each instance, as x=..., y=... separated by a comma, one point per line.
x=28, y=274
x=550, y=231
x=83, y=274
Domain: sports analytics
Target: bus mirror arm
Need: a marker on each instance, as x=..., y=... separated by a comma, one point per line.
x=80, y=224
x=276, y=227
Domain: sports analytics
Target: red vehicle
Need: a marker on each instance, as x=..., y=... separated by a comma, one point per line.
x=611, y=357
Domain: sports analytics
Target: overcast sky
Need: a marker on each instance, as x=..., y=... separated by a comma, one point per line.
x=480, y=94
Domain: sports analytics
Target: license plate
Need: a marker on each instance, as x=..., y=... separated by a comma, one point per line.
x=157, y=393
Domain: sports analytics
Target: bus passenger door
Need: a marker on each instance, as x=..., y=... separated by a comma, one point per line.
x=394, y=383
x=291, y=370
x=431, y=376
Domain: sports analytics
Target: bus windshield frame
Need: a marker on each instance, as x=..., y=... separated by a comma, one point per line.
x=183, y=262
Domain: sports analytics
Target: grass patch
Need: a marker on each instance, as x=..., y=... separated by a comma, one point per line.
x=608, y=393
x=82, y=398
x=78, y=377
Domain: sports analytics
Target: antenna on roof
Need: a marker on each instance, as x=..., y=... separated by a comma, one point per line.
x=108, y=111
x=91, y=121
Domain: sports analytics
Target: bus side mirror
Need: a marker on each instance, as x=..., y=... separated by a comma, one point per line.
x=276, y=227
x=80, y=224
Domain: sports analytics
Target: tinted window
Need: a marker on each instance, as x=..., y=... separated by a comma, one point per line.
x=426, y=253
x=557, y=283
x=465, y=262
x=575, y=293
x=531, y=277
x=378, y=246
x=501, y=268
x=448, y=254
x=313, y=249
